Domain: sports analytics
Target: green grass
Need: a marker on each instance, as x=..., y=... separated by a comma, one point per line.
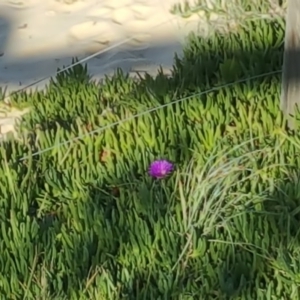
x=228, y=16
x=83, y=220
x=236, y=10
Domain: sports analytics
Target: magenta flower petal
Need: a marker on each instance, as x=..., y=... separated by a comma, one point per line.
x=160, y=168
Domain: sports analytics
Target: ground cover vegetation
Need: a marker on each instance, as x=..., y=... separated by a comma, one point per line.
x=86, y=220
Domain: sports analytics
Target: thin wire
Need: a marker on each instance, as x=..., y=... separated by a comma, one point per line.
x=83, y=60
x=148, y=111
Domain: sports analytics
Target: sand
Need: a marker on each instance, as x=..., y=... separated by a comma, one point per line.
x=37, y=37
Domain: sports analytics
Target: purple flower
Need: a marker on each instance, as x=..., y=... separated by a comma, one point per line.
x=160, y=168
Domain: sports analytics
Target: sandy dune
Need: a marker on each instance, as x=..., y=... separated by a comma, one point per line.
x=37, y=37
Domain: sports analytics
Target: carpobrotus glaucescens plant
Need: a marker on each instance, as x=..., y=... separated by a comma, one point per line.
x=160, y=168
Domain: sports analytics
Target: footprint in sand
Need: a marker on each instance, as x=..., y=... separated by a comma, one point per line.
x=119, y=20
x=101, y=32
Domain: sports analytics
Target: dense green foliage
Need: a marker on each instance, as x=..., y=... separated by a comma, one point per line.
x=84, y=220
x=234, y=10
